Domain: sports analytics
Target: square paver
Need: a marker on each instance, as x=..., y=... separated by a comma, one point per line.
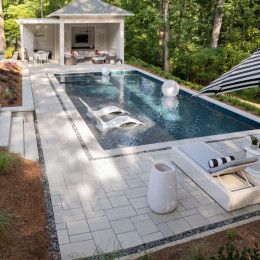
x=77, y=227
x=139, y=203
x=122, y=225
x=62, y=216
x=189, y=212
x=189, y=203
x=165, y=230
x=179, y=226
x=120, y=212
x=130, y=239
x=98, y=223
x=119, y=201
x=139, y=218
x=197, y=220
x=101, y=204
x=211, y=210
x=106, y=240
x=152, y=237
x=162, y=218
x=63, y=237
x=145, y=227
x=136, y=192
x=78, y=250
x=134, y=183
x=80, y=237
x=70, y=201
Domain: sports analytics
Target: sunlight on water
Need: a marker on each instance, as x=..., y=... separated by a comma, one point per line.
x=165, y=119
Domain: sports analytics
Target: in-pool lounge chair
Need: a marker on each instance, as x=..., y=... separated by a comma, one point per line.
x=103, y=111
x=227, y=184
x=113, y=123
x=116, y=122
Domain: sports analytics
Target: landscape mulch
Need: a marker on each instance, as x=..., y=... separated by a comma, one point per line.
x=22, y=196
x=243, y=236
x=10, y=78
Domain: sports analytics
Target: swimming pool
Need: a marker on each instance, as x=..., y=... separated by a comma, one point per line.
x=165, y=119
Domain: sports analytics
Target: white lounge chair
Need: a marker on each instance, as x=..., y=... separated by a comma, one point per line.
x=227, y=184
x=118, y=121
x=113, y=123
x=103, y=111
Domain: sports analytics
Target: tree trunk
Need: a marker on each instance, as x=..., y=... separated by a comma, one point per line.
x=2, y=31
x=166, y=35
x=217, y=24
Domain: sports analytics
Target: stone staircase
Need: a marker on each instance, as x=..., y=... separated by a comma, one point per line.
x=17, y=134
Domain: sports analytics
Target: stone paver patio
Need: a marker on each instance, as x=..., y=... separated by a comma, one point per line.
x=101, y=205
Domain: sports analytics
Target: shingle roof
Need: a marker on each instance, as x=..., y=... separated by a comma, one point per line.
x=89, y=7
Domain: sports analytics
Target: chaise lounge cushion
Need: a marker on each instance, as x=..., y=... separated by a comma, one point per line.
x=234, y=164
x=200, y=153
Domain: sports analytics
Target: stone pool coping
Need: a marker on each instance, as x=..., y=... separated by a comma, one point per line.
x=94, y=150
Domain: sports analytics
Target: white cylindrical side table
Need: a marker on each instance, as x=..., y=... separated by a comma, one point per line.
x=254, y=170
x=162, y=190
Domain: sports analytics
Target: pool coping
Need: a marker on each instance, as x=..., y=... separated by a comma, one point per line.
x=94, y=150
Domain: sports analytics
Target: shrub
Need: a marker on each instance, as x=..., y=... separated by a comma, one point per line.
x=7, y=162
x=9, y=53
x=4, y=220
x=197, y=253
x=232, y=234
x=230, y=252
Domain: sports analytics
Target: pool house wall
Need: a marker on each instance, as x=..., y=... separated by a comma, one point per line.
x=56, y=35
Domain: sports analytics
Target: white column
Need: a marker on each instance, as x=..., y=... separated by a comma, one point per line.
x=122, y=40
x=62, y=43
x=22, y=42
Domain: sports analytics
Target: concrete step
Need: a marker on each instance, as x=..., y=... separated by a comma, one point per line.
x=5, y=128
x=30, y=144
x=17, y=136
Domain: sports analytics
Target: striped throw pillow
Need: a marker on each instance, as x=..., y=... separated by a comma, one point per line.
x=219, y=161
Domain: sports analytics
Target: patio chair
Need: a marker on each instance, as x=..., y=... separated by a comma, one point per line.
x=227, y=184
x=103, y=111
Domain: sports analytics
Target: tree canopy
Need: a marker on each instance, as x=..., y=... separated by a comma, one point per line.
x=190, y=25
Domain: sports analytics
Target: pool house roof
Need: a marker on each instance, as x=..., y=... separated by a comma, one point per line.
x=89, y=8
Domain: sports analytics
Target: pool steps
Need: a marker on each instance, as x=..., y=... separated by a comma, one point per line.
x=5, y=128
x=17, y=134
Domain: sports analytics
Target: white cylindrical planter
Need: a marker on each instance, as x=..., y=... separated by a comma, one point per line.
x=162, y=191
x=254, y=169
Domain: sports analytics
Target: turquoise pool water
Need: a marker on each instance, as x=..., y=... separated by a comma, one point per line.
x=166, y=119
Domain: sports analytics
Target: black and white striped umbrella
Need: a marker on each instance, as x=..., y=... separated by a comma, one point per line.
x=245, y=75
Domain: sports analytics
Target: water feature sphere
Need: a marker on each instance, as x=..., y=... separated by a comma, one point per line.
x=170, y=88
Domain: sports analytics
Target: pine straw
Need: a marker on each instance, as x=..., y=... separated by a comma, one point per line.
x=22, y=196
x=10, y=77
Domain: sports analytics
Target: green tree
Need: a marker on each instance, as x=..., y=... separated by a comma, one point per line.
x=2, y=31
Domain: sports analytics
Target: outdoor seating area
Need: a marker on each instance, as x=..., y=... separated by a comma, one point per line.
x=95, y=57
x=41, y=57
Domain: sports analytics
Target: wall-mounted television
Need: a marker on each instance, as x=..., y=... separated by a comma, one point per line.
x=81, y=38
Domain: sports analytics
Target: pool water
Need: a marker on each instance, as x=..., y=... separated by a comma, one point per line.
x=166, y=119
